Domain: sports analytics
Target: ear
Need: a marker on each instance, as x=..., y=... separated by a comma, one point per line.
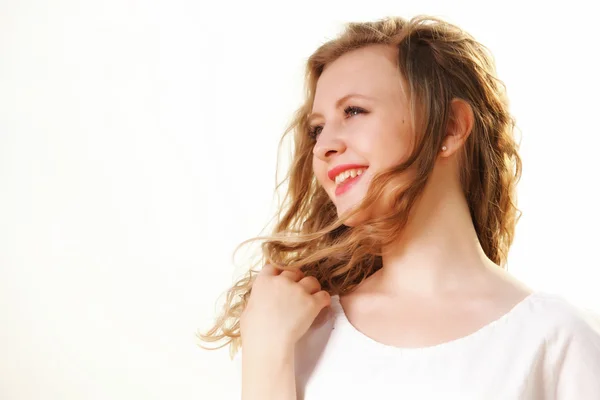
x=459, y=126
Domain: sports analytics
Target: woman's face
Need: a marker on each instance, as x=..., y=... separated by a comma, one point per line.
x=369, y=129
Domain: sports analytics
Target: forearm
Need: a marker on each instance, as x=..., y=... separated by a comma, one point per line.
x=267, y=376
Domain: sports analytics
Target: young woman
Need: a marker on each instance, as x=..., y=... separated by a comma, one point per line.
x=386, y=275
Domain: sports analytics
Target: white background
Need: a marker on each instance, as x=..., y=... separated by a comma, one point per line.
x=138, y=146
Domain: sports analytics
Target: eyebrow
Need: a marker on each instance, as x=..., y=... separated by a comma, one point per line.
x=339, y=103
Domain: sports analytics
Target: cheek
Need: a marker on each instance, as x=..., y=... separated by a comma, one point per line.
x=393, y=149
x=380, y=152
x=384, y=145
x=320, y=171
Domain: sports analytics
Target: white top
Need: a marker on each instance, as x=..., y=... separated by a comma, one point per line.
x=543, y=349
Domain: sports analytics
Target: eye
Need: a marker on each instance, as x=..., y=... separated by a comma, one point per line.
x=316, y=130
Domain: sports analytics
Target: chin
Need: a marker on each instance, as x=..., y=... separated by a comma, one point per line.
x=354, y=220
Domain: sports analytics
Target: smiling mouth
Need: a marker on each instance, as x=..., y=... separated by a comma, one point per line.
x=347, y=184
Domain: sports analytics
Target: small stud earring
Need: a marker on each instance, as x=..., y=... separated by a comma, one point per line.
x=444, y=148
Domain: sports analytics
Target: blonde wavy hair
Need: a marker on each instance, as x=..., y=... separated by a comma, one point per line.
x=438, y=62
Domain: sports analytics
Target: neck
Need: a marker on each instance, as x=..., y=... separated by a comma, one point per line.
x=438, y=251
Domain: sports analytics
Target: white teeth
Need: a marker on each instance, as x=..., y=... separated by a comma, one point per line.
x=348, y=173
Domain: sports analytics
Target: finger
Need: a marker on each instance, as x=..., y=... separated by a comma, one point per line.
x=269, y=269
x=323, y=298
x=294, y=275
x=310, y=284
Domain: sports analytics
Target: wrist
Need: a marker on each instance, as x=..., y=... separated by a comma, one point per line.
x=268, y=351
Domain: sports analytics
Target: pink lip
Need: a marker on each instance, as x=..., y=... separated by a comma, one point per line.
x=332, y=173
x=346, y=185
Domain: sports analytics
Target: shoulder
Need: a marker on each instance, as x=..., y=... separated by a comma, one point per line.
x=312, y=345
x=564, y=319
x=572, y=336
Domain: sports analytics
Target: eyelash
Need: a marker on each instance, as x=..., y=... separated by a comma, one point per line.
x=313, y=131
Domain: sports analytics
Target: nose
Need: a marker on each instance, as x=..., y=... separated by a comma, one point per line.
x=328, y=143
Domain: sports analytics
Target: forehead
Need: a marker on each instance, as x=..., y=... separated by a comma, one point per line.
x=371, y=71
